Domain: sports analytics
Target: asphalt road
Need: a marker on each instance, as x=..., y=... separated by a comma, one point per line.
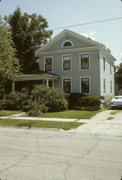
x=38, y=154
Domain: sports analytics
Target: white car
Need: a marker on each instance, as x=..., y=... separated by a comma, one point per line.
x=116, y=101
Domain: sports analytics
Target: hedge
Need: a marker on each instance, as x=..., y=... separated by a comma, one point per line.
x=73, y=99
x=92, y=103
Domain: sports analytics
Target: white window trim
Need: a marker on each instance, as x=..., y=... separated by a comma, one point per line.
x=86, y=77
x=52, y=62
x=63, y=61
x=67, y=41
x=63, y=84
x=80, y=60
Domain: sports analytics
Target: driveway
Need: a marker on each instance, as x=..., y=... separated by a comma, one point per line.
x=107, y=122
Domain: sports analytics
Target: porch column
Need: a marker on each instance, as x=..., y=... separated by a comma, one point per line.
x=13, y=86
x=47, y=82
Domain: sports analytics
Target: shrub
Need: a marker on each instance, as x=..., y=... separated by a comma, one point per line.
x=35, y=108
x=88, y=103
x=73, y=99
x=14, y=101
x=56, y=101
x=45, y=99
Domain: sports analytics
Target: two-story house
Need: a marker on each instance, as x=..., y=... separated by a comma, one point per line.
x=77, y=64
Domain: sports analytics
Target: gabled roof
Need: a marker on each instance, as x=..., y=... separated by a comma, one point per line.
x=75, y=35
x=67, y=32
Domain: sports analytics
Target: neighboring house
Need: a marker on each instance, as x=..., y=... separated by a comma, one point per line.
x=76, y=64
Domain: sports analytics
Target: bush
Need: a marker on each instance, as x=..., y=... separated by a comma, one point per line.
x=35, y=108
x=46, y=100
x=56, y=101
x=14, y=101
x=73, y=99
x=89, y=103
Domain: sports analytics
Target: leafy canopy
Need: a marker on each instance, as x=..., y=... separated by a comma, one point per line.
x=29, y=32
x=9, y=65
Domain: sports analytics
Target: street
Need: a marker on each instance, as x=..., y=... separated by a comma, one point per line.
x=43, y=154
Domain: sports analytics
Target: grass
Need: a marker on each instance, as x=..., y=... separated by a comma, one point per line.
x=114, y=112
x=73, y=114
x=39, y=124
x=110, y=118
x=8, y=113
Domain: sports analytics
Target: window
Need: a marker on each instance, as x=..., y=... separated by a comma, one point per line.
x=104, y=85
x=67, y=44
x=48, y=64
x=67, y=62
x=84, y=61
x=67, y=85
x=104, y=63
x=110, y=68
x=84, y=85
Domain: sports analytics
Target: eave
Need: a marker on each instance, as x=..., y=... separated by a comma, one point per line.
x=70, y=50
x=30, y=77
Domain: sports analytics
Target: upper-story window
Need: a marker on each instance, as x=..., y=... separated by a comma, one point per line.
x=110, y=68
x=48, y=63
x=84, y=61
x=104, y=63
x=66, y=62
x=67, y=44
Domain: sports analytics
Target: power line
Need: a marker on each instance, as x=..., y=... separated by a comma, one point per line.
x=87, y=23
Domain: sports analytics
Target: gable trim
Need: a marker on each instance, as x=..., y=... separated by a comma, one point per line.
x=66, y=33
x=69, y=50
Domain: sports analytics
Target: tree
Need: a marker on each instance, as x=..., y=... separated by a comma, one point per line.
x=119, y=68
x=29, y=32
x=9, y=64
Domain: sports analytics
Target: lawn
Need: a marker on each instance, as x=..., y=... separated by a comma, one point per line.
x=8, y=113
x=73, y=114
x=39, y=124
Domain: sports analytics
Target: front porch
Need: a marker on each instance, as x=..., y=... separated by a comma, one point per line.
x=29, y=80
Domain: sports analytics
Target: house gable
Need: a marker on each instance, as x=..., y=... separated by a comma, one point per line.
x=76, y=40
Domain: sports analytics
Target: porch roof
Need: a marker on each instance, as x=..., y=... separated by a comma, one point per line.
x=37, y=76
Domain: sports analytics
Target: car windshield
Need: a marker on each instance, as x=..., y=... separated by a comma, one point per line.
x=118, y=97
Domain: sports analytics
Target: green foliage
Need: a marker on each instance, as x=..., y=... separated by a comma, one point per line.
x=46, y=100
x=118, y=74
x=119, y=68
x=14, y=101
x=9, y=65
x=89, y=103
x=39, y=124
x=8, y=113
x=35, y=108
x=29, y=32
x=73, y=99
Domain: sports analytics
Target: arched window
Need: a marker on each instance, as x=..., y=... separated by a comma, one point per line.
x=67, y=44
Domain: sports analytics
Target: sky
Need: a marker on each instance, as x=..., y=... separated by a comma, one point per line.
x=63, y=13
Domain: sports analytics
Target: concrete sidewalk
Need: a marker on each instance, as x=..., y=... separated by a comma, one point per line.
x=24, y=116
x=107, y=122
